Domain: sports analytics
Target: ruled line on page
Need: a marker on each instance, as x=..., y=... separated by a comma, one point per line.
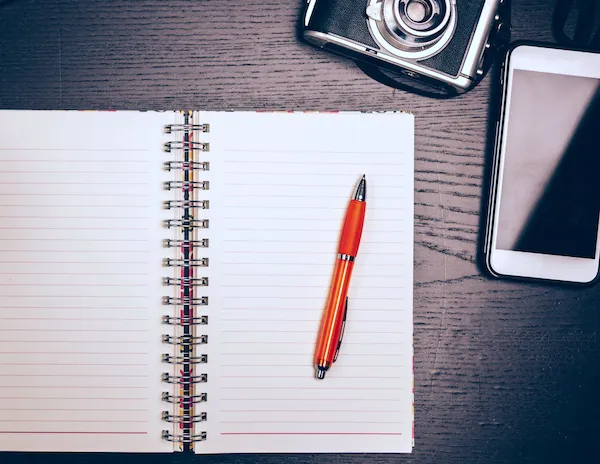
x=91, y=319
x=77, y=160
x=49, y=205
x=378, y=377
x=74, y=330
x=308, y=388
x=306, y=274
x=327, y=400
x=76, y=409
x=31, y=171
x=88, y=398
x=76, y=228
x=281, y=229
x=123, y=252
x=25, y=183
x=73, y=364
x=305, y=364
x=390, y=154
x=306, y=196
x=79, y=149
x=73, y=421
x=114, y=342
x=76, y=217
x=84, y=240
x=117, y=263
x=83, y=375
x=308, y=186
x=262, y=342
x=304, y=207
x=78, y=387
x=327, y=265
x=309, y=320
x=267, y=287
x=116, y=274
x=91, y=308
x=312, y=174
x=286, y=253
x=81, y=195
x=304, y=410
x=70, y=285
x=370, y=332
x=75, y=296
x=300, y=218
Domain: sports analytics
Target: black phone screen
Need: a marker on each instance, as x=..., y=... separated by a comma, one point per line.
x=550, y=190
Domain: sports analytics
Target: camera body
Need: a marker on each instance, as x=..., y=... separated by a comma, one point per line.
x=446, y=45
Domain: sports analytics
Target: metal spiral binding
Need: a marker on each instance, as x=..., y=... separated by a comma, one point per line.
x=185, y=321
x=186, y=243
x=202, y=262
x=180, y=399
x=169, y=300
x=186, y=145
x=186, y=166
x=185, y=340
x=186, y=127
x=198, y=223
x=178, y=281
x=169, y=359
x=200, y=204
x=186, y=185
x=181, y=438
x=184, y=259
x=175, y=379
x=182, y=419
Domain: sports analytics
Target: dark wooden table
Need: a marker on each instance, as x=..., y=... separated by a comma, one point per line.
x=505, y=372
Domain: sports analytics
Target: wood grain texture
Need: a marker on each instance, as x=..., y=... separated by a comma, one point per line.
x=505, y=372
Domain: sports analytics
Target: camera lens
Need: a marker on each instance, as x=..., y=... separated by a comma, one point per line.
x=414, y=28
x=418, y=11
x=421, y=18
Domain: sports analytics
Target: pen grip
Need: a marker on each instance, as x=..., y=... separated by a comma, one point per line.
x=333, y=318
x=352, y=229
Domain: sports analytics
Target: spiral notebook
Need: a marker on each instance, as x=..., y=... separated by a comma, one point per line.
x=163, y=274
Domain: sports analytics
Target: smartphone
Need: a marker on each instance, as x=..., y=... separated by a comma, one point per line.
x=544, y=208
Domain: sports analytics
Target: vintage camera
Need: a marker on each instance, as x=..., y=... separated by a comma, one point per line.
x=441, y=47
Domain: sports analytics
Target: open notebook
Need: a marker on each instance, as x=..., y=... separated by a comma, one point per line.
x=163, y=275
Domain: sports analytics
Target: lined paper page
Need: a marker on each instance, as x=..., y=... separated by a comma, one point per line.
x=79, y=281
x=280, y=185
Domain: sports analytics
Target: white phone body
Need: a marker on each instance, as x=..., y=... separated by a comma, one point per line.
x=548, y=95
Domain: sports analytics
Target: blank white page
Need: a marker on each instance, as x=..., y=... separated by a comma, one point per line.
x=279, y=188
x=80, y=264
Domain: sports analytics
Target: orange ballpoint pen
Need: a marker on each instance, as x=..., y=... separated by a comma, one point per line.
x=334, y=318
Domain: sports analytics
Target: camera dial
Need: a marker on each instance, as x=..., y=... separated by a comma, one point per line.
x=412, y=28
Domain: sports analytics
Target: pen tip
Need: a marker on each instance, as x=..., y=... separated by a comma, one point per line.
x=361, y=190
x=320, y=373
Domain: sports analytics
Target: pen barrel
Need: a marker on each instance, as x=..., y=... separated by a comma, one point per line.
x=352, y=229
x=333, y=318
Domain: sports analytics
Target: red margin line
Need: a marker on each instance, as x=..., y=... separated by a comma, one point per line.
x=307, y=433
x=75, y=433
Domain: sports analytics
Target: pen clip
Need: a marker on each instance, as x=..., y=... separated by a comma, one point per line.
x=337, y=350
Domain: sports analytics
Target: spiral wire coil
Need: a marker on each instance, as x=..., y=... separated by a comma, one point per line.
x=186, y=265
